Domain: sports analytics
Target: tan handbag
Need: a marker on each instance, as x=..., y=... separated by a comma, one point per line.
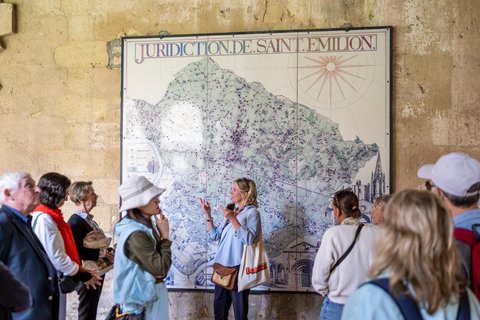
x=224, y=276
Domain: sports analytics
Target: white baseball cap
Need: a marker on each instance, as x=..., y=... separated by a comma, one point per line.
x=137, y=192
x=453, y=173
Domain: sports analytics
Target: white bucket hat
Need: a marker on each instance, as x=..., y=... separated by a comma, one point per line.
x=453, y=173
x=137, y=192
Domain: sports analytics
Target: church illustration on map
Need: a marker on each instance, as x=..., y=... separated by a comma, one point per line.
x=294, y=267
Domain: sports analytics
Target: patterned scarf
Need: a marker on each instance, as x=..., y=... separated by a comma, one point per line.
x=351, y=221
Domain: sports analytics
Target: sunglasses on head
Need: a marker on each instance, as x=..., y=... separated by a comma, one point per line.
x=245, y=180
x=429, y=185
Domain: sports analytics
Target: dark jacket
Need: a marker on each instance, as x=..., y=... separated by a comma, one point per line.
x=23, y=254
x=14, y=295
x=80, y=228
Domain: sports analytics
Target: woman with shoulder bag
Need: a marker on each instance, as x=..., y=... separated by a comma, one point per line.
x=233, y=233
x=344, y=257
x=143, y=256
x=81, y=222
x=56, y=236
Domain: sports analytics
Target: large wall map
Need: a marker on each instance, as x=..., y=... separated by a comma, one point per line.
x=302, y=113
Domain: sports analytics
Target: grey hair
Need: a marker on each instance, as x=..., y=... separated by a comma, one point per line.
x=465, y=202
x=11, y=181
x=79, y=191
x=383, y=200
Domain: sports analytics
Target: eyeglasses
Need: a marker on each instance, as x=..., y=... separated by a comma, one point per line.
x=245, y=180
x=429, y=185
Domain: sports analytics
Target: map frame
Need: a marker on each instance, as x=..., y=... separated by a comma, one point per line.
x=292, y=267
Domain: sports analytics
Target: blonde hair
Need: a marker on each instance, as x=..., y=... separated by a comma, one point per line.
x=248, y=185
x=418, y=246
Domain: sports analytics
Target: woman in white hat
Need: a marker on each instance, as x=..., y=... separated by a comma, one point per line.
x=143, y=255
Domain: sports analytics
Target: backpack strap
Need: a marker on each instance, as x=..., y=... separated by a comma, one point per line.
x=476, y=231
x=348, y=250
x=464, y=307
x=469, y=237
x=409, y=308
x=466, y=236
x=34, y=222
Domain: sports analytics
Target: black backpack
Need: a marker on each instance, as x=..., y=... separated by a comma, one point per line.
x=409, y=308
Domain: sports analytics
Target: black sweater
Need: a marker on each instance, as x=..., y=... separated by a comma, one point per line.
x=80, y=228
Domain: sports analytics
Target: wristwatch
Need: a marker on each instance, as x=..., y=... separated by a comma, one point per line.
x=209, y=220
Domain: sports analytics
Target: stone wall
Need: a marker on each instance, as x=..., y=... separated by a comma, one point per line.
x=60, y=91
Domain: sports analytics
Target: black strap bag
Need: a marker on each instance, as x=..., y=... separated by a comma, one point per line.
x=348, y=250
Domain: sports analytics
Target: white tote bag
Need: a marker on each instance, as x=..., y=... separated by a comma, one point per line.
x=255, y=267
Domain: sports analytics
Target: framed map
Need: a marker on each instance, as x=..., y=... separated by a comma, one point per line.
x=302, y=113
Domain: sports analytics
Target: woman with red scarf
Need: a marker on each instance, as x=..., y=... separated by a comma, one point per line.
x=56, y=235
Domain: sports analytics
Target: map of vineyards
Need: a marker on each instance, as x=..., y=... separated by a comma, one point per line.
x=301, y=124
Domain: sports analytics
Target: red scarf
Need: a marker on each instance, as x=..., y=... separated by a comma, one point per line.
x=57, y=216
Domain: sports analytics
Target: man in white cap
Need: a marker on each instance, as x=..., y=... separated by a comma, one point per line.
x=455, y=177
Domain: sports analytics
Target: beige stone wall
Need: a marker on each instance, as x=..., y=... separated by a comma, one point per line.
x=60, y=104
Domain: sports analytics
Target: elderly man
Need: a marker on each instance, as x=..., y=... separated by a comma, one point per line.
x=20, y=248
x=455, y=177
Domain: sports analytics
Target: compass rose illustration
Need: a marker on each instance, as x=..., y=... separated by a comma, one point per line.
x=332, y=75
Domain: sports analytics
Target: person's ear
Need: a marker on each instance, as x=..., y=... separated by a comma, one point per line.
x=439, y=193
x=7, y=193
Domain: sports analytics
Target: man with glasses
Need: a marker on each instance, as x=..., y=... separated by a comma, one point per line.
x=455, y=177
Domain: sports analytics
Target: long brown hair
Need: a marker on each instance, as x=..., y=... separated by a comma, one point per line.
x=418, y=246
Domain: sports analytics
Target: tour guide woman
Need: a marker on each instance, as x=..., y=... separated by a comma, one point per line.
x=143, y=256
x=233, y=233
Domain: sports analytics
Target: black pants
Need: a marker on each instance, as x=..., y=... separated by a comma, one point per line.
x=224, y=298
x=88, y=302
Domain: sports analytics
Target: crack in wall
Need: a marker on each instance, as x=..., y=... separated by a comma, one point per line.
x=265, y=12
x=7, y=23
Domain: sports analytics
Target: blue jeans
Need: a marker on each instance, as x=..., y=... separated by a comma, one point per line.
x=331, y=310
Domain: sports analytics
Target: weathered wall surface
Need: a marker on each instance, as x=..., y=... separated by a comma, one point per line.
x=60, y=103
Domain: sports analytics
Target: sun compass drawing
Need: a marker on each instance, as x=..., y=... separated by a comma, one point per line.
x=333, y=74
